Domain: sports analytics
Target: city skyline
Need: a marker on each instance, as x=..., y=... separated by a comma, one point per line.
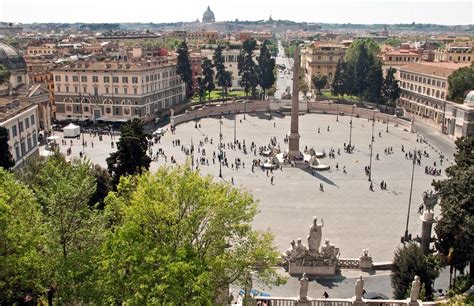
x=338, y=11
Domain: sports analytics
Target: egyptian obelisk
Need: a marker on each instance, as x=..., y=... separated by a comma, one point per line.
x=294, y=138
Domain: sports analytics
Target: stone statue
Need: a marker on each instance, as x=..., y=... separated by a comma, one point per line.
x=430, y=200
x=415, y=289
x=304, y=288
x=315, y=235
x=290, y=252
x=326, y=248
x=359, y=288
x=300, y=249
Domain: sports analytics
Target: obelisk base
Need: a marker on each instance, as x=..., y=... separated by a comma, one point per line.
x=294, y=147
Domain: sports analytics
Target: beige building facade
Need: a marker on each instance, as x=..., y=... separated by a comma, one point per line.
x=117, y=90
x=424, y=90
x=455, y=53
x=21, y=121
x=321, y=60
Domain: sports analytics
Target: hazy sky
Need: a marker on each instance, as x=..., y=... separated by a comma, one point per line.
x=337, y=11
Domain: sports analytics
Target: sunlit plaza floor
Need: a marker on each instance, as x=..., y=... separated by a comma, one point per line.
x=355, y=218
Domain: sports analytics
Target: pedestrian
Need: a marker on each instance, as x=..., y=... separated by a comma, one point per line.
x=232, y=180
x=271, y=180
x=371, y=187
x=321, y=187
x=344, y=170
x=325, y=295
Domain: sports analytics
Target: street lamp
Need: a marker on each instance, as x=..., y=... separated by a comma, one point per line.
x=371, y=148
x=406, y=237
x=337, y=112
x=350, y=131
x=387, y=121
x=220, y=147
x=235, y=121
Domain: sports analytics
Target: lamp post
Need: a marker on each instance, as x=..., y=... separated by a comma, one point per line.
x=220, y=147
x=192, y=155
x=235, y=121
x=350, y=131
x=387, y=121
x=371, y=148
x=406, y=236
x=337, y=112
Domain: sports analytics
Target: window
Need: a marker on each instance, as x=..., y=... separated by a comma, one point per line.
x=58, y=88
x=35, y=141
x=23, y=149
x=17, y=151
x=27, y=123
x=14, y=131
x=84, y=78
x=116, y=90
x=66, y=78
x=147, y=78
x=57, y=78
x=32, y=119
x=125, y=90
x=107, y=110
x=135, y=91
x=106, y=79
x=28, y=141
x=134, y=80
x=86, y=108
x=115, y=79
x=96, y=91
x=106, y=90
x=84, y=89
x=124, y=79
x=67, y=88
x=75, y=78
x=95, y=79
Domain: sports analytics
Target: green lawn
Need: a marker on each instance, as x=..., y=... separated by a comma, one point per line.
x=217, y=94
x=328, y=94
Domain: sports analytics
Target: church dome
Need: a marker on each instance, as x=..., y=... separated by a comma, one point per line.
x=469, y=101
x=208, y=16
x=10, y=58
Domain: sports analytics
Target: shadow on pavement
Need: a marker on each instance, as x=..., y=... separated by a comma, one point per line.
x=319, y=176
x=330, y=282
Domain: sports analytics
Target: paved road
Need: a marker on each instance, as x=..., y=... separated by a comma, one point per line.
x=439, y=141
x=283, y=79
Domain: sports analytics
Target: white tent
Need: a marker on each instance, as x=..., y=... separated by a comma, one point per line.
x=71, y=130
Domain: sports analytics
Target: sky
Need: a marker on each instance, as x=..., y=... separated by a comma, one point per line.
x=448, y=12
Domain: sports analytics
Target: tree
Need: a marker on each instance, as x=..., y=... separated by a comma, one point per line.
x=63, y=189
x=131, y=155
x=103, y=184
x=303, y=87
x=6, y=158
x=337, y=86
x=374, y=81
x=361, y=70
x=184, y=67
x=353, y=52
x=408, y=262
x=208, y=76
x=4, y=74
x=23, y=243
x=391, y=90
x=460, y=82
x=180, y=237
x=455, y=228
x=248, y=70
x=201, y=88
x=266, y=67
x=319, y=82
x=227, y=81
x=221, y=75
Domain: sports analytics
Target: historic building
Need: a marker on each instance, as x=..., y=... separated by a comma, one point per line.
x=208, y=16
x=320, y=59
x=424, y=89
x=15, y=63
x=117, y=90
x=20, y=118
x=455, y=53
x=396, y=58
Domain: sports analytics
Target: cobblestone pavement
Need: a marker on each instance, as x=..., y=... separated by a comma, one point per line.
x=355, y=218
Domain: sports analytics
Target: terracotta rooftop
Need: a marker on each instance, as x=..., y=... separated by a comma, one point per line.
x=119, y=65
x=433, y=68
